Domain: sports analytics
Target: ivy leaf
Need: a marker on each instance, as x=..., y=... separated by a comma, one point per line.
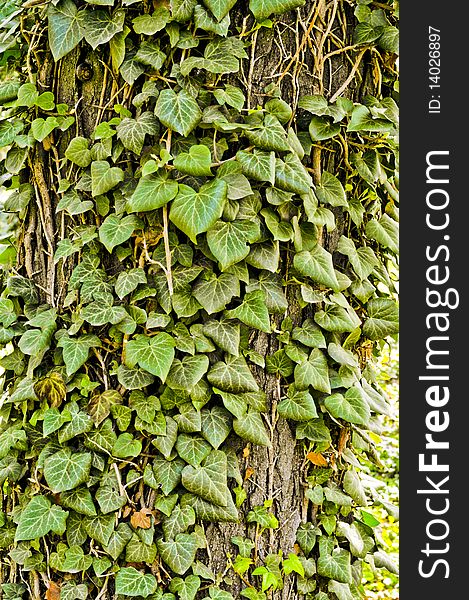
x=75, y=351
x=184, y=374
x=38, y=518
x=100, y=405
x=65, y=470
x=179, y=554
x=165, y=443
x=352, y=406
x=261, y=9
x=178, y=522
x=100, y=528
x=131, y=132
x=208, y=481
x=235, y=403
x=330, y=190
x=322, y=128
x=228, y=241
x=362, y=120
x=216, y=426
x=133, y=379
x=104, y=177
x=53, y=420
x=130, y=582
x=178, y=111
x=168, y=473
x=101, y=312
x=335, y=566
x=252, y=311
x=154, y=354
x=363, y=259
x=192, y=448
x=212, y=513
x=314, y=430
x=385, y=231
x=219, y=8
x=298, y=406
x=118, y=540
x=65, y=31
x=195, y=162
x=291, y=175
x=313, y=372
x=151, y=24
x=101, y=26
x=109, y=500
x=41, y=128
x=214, y=293
x=250, y=427
x=116, y=230
x=258, y=165
x=269, y=136
x=152, y=192
x=383, y=319
x=126, y=446
x=79, y=500
x=233, y=376
x=220, y=56
x=354, y=488
x=317, y=264
x=230, y=95
x=226, y=335
x=203, y=20
x=306, y=536
x=195, y=212
x=78, y=152
x=128, y=281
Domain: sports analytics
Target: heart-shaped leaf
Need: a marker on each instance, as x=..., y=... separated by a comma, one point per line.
x=252, y=311
x=195, y=162
x=39, y=517
x=65, y=470
x=351, y=406
x=104, y=177
x=195, y=212
x=154, y=354
x=228, y=241
x=178, y=111
x=130, y=582
x=233, y=376
x=179, y=553
x=209, y=480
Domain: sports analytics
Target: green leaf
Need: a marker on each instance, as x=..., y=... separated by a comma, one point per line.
x=219, y=8
x=38, y=518
x=313, y=372
x=154, y=354
x=306, y=536
x=209, y=481
x=151, y=24
x=203, y=20
x=78, y=152
x=220, y=56
x=65, y=470
x=362, y=120
x=116, y=230
x=130, y=582
x=131, y=132
x=365, y=33
x=261, y=9
x=314, y=430
x=75, y=351
x=383, y=319
x=152, y=192
x=104, y=177
x=258, y=165
x=363, y=259
x=214, y=293
x=126, y=446
x=128, y=281
x=150, y=55
x=109, y=499
x=133, y=379
x=195, y=162
x=354, y=488
x=336, y=318
x=9, y=90
x=297, y=406
x=216, y=425
x=179, y=554
x=53, y=420
x=309, y=334
x=385, y=231
x=351, y=406
x=101, y=26
x=184, y=374
x=335, y=566
x=228, y=241
x=252, y=311
x=250, y=427
x=269, y=136
x=330, y=190
x=195, y=212
x=233, y=376
x=41, y=128
x=138, y=551
x=117, y=539
x=291, y=175
x=100, y=528
x=178, y=111
x=212, y=513
x=178, y=522
x=317, y=264
x=192, y=448
x=230, y=95
x=322, y=128
x=389, y=39
x=168, y=473
x=79, y=500
x=64, y=27
x=226, y=335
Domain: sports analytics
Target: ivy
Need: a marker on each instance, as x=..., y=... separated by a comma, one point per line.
x=201, y=258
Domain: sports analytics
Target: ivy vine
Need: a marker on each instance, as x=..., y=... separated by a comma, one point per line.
x=190, y=221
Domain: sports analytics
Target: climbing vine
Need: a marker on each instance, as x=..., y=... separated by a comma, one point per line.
x=165, y=216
